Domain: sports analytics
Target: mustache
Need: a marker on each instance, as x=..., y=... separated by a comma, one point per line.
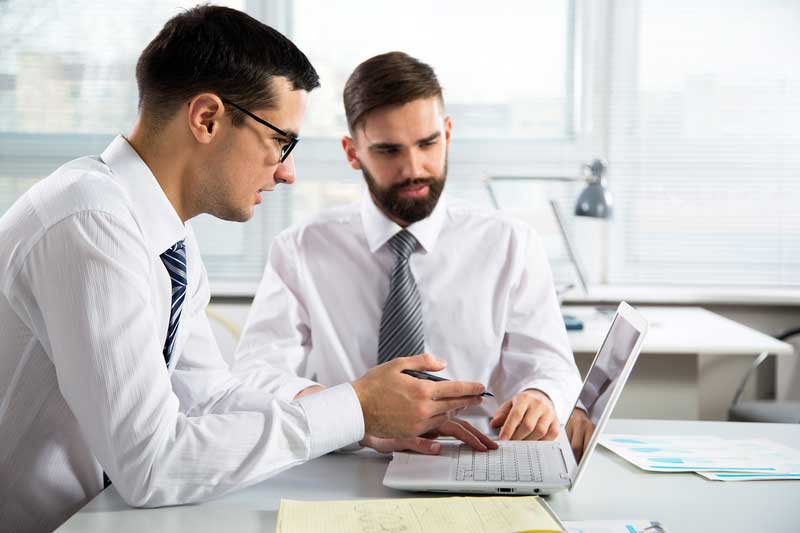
x=412, y=182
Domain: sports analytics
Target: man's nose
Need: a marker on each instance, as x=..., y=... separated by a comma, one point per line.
x=285, y=171
x=414, y=164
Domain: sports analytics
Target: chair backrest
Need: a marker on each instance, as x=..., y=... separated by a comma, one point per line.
x=789, y=334
x=785, y=336
x=226, y=332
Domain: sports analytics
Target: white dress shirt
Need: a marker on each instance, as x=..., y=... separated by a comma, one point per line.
x=488, y=302
x=84, y=305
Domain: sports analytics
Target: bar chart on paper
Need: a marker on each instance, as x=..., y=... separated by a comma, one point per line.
x=713, y=457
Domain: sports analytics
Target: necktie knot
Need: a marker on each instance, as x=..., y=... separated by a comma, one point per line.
x=178, y=246
x=403, y=243
x=174, y=258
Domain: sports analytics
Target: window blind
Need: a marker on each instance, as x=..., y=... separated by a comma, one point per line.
x=703, y=144
x=67, y=87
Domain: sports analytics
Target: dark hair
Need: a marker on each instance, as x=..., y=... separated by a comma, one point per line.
x=219, y=50
x=390, y=79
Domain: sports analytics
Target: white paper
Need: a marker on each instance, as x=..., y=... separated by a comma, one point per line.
x=613, y=526
x=749, y=476
x=669, y=453
x=786, y=458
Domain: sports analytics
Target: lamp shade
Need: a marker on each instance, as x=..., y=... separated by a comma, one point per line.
x=595, y=200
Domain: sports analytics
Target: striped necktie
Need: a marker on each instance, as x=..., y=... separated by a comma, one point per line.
x=401, y=332
x=175, y=261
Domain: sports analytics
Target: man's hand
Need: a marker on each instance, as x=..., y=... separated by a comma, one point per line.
x=460, y=429
x=308, y=390
x=529, y=415
x=579, y=431
x=396, y=405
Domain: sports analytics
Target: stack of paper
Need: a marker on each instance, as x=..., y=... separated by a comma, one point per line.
x=418, y=515
x=712, y=457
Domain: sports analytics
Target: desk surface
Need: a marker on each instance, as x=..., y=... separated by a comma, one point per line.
x=681, y=295
x=611, y=489
x=678, y=330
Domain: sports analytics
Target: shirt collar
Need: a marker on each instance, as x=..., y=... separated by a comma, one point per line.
x=157, y=218
x=379, y=228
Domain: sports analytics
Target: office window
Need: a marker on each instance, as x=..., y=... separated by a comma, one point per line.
x=506, y=70
x=504, y=99
x=509, y=80
x=67, y=87
x=703, y=143
x=693, y=103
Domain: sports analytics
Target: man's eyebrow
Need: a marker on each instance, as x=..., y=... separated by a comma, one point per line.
x=292, y=133
x=389, y=145
x=385, y=146
x=431, y=137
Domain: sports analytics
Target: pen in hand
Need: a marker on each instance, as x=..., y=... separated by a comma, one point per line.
x=431, y=377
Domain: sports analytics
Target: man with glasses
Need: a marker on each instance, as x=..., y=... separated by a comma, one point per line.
x=109, y=372
x=407, y=270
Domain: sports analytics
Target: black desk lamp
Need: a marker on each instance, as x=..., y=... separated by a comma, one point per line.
x=595, y=200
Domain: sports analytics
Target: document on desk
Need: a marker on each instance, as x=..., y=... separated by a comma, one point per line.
x=419, y=515
x=786, y=459
x=663, y=453
x=614, y=526
x=750, y=476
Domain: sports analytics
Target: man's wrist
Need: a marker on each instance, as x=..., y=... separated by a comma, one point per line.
x=539, y=391
x=311, y=389
x=289, y=390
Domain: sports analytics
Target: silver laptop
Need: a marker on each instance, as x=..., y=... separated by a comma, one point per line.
x=531, y=467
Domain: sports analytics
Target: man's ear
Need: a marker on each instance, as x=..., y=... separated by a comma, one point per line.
x=349, y=147
x=205, y=115
x=448, y=127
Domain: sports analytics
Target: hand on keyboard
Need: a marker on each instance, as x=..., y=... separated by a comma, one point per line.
x=460, y=429
x=530, y=415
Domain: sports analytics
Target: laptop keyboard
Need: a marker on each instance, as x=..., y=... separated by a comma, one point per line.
x=512, y=461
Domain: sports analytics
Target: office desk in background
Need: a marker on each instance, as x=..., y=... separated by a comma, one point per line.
x=611, y=489
x=692, y=360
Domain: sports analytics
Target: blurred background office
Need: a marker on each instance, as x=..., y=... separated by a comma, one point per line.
x=694, y=105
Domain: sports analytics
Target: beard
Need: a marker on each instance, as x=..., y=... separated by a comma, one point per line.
x=408, y=210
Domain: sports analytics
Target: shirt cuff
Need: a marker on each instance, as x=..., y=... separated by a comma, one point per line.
x=334, y=418
x=289, y=390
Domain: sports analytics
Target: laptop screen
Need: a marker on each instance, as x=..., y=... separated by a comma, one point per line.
x=603, y=379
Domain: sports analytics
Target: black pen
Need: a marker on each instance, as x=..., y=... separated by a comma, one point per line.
x=430, y=377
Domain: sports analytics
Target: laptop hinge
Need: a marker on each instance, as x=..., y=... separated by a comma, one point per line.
x=566, y=468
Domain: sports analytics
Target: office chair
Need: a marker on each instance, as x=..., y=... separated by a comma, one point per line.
x=764, y=410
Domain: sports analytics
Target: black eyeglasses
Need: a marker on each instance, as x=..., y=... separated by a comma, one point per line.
x=292, y=140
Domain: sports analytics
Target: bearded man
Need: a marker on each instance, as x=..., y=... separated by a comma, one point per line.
x=407, y=271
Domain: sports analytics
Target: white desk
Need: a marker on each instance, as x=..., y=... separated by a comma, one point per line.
x=692, y=360
x=611, y=489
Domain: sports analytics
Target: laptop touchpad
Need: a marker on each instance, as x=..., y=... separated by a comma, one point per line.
x=429, y=466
